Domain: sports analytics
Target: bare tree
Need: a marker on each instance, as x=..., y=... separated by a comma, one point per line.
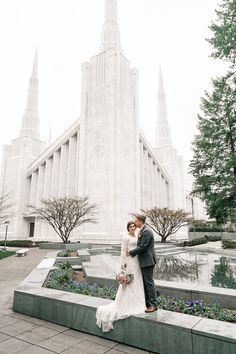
x=166, y=222
x=66, y=213
x=5, y=207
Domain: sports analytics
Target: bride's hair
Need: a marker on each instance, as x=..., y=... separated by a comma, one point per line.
x=130, y=223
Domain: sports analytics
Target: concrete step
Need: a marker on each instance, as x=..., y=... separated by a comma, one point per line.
x=176, y=250
x=165, y=246
x=167, y=249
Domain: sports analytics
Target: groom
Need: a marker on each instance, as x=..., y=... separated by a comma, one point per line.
x=147, y=260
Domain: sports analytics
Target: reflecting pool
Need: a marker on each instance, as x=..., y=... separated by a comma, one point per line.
x=205, y=269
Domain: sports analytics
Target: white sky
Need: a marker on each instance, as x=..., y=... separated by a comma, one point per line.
x=67, y=33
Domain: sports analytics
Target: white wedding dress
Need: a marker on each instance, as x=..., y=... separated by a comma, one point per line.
x=130, y=298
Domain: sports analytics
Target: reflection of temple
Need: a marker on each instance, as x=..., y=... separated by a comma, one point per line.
x=103, y=154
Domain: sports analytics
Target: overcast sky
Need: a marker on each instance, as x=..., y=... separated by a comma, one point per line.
x=169, y=33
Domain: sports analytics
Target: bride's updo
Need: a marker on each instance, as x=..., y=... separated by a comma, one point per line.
x=129, y=224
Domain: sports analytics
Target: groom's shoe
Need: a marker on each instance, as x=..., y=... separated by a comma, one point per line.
x=151, y=309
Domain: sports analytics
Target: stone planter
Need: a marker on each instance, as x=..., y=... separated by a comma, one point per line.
x=159, y=332
x=83, y=256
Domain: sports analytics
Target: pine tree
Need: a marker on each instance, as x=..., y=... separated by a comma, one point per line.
x=214, y=161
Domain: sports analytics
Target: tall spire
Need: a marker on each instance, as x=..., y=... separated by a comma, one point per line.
x=30, y=120
x=35, y=65
x=162, y=138
x=110, y=35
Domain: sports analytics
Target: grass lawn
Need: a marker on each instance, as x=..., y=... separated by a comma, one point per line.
x=5, y=254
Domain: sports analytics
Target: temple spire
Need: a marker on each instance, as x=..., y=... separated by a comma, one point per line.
x=35, y=65
x=163, y=138
x=110, y=35
x=30, y=120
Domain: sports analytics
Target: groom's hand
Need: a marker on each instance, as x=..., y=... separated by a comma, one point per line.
x=127, y=253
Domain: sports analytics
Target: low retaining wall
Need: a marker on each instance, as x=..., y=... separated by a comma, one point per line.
x=160, y=332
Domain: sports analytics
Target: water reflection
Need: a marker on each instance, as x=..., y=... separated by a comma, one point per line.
x=174, y=268
x=198, y=268
x=223, y=275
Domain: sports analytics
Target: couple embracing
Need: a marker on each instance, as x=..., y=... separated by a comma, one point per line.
x=138, y=258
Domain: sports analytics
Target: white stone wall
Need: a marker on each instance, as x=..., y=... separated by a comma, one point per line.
x=54, y=173
x=154, y=181
x=109, y=158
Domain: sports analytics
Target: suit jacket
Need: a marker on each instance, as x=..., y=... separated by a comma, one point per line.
x=145, y=248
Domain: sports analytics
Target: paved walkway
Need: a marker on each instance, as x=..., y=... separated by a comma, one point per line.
x=28, y=335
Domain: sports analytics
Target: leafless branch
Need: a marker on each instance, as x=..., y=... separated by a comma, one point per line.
x=66, y=213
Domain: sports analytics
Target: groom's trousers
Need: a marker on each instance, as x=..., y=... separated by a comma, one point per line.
x=149, y=286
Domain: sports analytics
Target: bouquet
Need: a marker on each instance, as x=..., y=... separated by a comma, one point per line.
x=123, y=277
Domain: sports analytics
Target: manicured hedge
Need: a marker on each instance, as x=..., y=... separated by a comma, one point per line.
x=201, y=240
x=213, y=238
x=196, y=241
x=205, y=229
x=228, y=244
x=21, y=243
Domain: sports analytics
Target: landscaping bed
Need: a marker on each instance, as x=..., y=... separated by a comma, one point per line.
x=65, y=279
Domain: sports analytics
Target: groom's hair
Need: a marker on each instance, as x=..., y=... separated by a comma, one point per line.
x=141, y=218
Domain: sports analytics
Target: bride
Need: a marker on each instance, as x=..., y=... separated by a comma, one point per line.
x=130, y=298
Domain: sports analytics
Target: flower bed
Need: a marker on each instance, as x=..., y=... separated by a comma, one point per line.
x=64, y=279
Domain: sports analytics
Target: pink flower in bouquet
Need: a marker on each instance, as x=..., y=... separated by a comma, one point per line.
x=124, y=278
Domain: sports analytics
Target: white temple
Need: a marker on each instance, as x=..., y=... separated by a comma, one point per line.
x=104, y=155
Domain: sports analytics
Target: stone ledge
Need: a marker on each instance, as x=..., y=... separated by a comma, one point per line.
x=160, y=332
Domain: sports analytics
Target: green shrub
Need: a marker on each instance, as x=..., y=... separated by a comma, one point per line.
x=205, y=229
x=65, y=266
x=21, y=243
x=228, y=244
x=63, y=254
x=17, y=243
x=213, y=238
x=196, y=241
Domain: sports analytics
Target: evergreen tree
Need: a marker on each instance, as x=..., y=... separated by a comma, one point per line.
x=214, y=160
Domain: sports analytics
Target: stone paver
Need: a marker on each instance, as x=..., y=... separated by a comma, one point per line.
x=37, y=335
x=17, y=328
x=87, y=347
x=28, y=335
x=3, y=337
x=60, y=342
x=13, y=346
x=34, y=349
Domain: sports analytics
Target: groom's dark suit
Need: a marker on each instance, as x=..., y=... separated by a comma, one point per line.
x=147, y=260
